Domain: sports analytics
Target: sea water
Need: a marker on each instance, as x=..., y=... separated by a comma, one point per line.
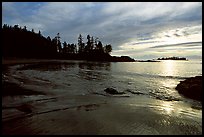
x=152, y=79
x=155, y=81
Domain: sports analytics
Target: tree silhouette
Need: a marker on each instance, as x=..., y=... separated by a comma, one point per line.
x=65, y=47
x=20, y=42
x=99, y=47
x=48, y=38
x=81, y=45
x=54, y=44
x=58, y=43
x=32, y=31
x=72, y=48
x=108, y=48
x=39, y=33
x=92, y=44
x=16, y=27
x=25, y=28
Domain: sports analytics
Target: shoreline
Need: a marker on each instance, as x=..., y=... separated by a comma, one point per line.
x=94, y=114
x=99, y=115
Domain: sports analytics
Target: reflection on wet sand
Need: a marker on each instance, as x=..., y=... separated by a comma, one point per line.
x=173, y=108
x=130, y=116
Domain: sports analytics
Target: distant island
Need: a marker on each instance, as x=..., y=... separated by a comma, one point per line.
x=172, y=58
x=19, y=42
x=147, y=60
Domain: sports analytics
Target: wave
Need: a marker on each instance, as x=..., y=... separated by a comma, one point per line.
x=173, y=77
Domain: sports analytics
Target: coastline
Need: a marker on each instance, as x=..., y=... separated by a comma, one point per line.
x=13, y=89
x=94, y=114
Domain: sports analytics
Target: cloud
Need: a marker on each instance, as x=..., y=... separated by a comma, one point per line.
x=125, y=25
x=188, y=44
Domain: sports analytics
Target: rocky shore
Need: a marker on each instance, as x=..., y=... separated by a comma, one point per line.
x=191, y=88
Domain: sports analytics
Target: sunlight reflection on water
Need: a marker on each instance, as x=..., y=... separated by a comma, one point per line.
x=174, y=108
x=169, y=68
x=157, y=80
x=168, y=107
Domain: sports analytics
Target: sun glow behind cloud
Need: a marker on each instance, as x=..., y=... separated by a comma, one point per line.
x=169, y=38
x=132, y=28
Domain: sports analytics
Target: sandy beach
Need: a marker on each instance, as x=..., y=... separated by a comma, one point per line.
x=97, y=115
x=39, y=113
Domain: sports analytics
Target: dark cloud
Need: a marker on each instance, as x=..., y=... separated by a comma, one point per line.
x=135, y=23
x=144, y=42
x=167, y=36
x=188, y=44
x=177, y=35
x=194, y=14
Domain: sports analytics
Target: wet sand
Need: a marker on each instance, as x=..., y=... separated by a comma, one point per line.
x=97, y=115
x=12, y=89
x=43, y=114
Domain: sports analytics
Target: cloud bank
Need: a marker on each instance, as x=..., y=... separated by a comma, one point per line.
x=137, y=29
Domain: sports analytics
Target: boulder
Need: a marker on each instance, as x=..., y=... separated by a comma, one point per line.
x=112, y=91
x=191, y=88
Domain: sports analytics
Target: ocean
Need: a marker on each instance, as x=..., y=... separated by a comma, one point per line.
x=155, y=81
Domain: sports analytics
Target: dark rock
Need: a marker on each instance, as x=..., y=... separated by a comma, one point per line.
x=112, y=91
x=25, y=108
x=191, y=88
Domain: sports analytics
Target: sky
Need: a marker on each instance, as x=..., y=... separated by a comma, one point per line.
x=141, y=30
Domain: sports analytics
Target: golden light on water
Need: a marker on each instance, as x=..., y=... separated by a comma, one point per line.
x=171, y=83
x=169, y=67
x=167, y=107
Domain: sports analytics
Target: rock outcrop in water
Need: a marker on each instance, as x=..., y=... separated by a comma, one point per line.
x=191, y=88
x=112, y=91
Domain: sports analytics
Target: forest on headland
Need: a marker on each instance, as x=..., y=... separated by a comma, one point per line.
x=22, y=43
x=172, y=58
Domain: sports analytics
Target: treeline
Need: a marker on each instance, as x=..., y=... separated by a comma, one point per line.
x=23, y=43
x=172, y=58
x=20, y=42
